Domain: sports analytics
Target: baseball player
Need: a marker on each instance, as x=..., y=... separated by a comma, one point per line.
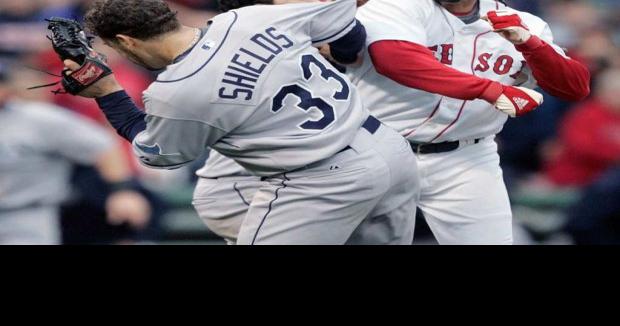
x=252, y=87
x=225, y=189
x=37, y=152
x=446, y=75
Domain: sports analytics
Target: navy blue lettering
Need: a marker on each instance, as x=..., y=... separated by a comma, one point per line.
x=235, y=93
x=326, y=74
x=270, y=31
x=306, y=102
x=239, y=79
x=244, y=71
x=248, y=65
x=271, y=46
x=256, y=56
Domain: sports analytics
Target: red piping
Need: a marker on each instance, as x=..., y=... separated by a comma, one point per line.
x=473, y=59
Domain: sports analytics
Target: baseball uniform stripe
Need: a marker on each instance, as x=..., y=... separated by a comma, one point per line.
x=277, y=192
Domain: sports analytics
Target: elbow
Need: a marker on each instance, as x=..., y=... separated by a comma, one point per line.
x=582, y=94
x=378, y=55
x=577, y=87
x=382, y=70
x=582, y=91
x=579, y=93
x=383, y=67
x=346, y=50
x=576, y=95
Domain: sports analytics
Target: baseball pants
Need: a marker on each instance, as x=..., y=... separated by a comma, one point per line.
x=463, y=195
x=359, y=196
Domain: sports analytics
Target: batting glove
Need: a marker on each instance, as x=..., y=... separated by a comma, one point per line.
x=518, y=101
x=509, y=25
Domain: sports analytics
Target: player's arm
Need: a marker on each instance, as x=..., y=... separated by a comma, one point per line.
x=171, y=143
x=397, y=44
x=347, y=49
x=159, y=142
x=554, y=72
x=333, y=28
x=413, y=65
x=84, y=142
x=331, y=21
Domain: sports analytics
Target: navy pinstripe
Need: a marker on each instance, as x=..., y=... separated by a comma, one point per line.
x=270, y=207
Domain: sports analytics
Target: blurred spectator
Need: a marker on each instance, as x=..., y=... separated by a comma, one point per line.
x=589, y=141
x=38, y=145
x=21, y=27
x=595, y=218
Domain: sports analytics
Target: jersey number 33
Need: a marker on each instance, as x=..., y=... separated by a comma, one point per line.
x=307, y=101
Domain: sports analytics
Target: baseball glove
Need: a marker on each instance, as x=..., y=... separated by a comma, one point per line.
x=71, y=43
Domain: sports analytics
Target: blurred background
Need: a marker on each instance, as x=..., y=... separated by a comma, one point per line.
x=561, y=163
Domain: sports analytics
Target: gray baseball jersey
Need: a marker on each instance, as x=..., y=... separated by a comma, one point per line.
x=38, y=143
x=254, y=89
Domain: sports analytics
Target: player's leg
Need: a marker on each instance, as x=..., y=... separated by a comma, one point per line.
x=318, y=206
x=392, y=228
x=393, y=220
x=31, y=226
x=326, y=203
x=223, y=203
x=464, y=199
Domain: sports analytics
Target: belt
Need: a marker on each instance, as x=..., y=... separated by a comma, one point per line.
x=444, y=147
x=371, y=125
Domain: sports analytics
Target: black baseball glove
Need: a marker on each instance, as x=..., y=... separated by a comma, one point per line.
x=70, y=42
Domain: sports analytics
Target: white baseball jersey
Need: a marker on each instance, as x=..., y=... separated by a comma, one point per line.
x=470, y=48
x=254, y=89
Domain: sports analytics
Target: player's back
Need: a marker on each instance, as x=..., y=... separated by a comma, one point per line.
x=255, y=77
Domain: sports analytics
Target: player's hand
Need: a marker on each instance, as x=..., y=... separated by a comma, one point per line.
x=129, y=207
x=104, y=86
x=518, y=101
x=509, y=25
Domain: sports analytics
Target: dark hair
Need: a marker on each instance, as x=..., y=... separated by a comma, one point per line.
x=226, y=5
x=141, y=19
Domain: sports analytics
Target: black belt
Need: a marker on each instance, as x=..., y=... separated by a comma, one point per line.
x=438, y=147
x=371, y=125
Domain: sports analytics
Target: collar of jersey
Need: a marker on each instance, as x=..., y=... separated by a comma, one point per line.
x=189, y=52
x=182, y=56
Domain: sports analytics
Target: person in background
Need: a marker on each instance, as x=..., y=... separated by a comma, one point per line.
x=589, y=137
x=587, y=156
x=39, y=143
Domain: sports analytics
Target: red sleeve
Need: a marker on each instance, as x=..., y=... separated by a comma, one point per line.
x=415, y=66
x=559, y=76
